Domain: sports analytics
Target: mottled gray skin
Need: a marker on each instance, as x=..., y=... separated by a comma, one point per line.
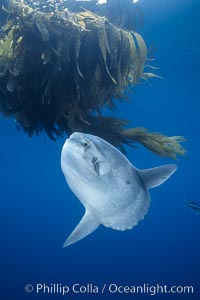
x=113, y=192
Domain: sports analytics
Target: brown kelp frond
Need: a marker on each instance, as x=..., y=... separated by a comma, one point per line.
x=158, y=143
x=141, y=55
x=57, y=65
x=113, y=130
x=149, y=75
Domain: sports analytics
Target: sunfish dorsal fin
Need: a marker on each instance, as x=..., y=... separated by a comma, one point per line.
x=156, y=176
x=86, y=226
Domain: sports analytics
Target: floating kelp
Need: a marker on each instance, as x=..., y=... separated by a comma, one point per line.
x=58, y=69
x=121, y=13
x=117, y=135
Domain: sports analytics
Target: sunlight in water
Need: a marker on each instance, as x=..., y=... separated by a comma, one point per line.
x=105, y=1
x=102, y=1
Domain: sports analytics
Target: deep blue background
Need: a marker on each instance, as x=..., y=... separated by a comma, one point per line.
x=38, y=211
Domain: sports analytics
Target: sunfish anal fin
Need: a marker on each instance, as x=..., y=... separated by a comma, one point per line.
x=86, y=226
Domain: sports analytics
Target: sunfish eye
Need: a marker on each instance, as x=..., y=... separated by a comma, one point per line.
x=85, y=143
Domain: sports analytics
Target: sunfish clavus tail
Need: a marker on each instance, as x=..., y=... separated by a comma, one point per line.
x=113, y=192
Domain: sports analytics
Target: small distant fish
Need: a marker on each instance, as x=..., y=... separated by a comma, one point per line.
x=195, y=206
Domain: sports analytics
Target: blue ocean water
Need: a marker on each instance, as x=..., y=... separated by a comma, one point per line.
x=38, y=211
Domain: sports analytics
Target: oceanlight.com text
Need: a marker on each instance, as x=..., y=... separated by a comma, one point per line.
x=111, y=288
x=151, y=289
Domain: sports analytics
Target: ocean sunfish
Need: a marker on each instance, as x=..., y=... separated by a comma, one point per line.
x=113, y=192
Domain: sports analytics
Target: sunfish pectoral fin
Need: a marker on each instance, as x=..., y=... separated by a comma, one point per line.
x=86, y=226
x=156, y=176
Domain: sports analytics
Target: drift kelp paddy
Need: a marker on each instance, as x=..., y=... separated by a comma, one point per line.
x=63, y=62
